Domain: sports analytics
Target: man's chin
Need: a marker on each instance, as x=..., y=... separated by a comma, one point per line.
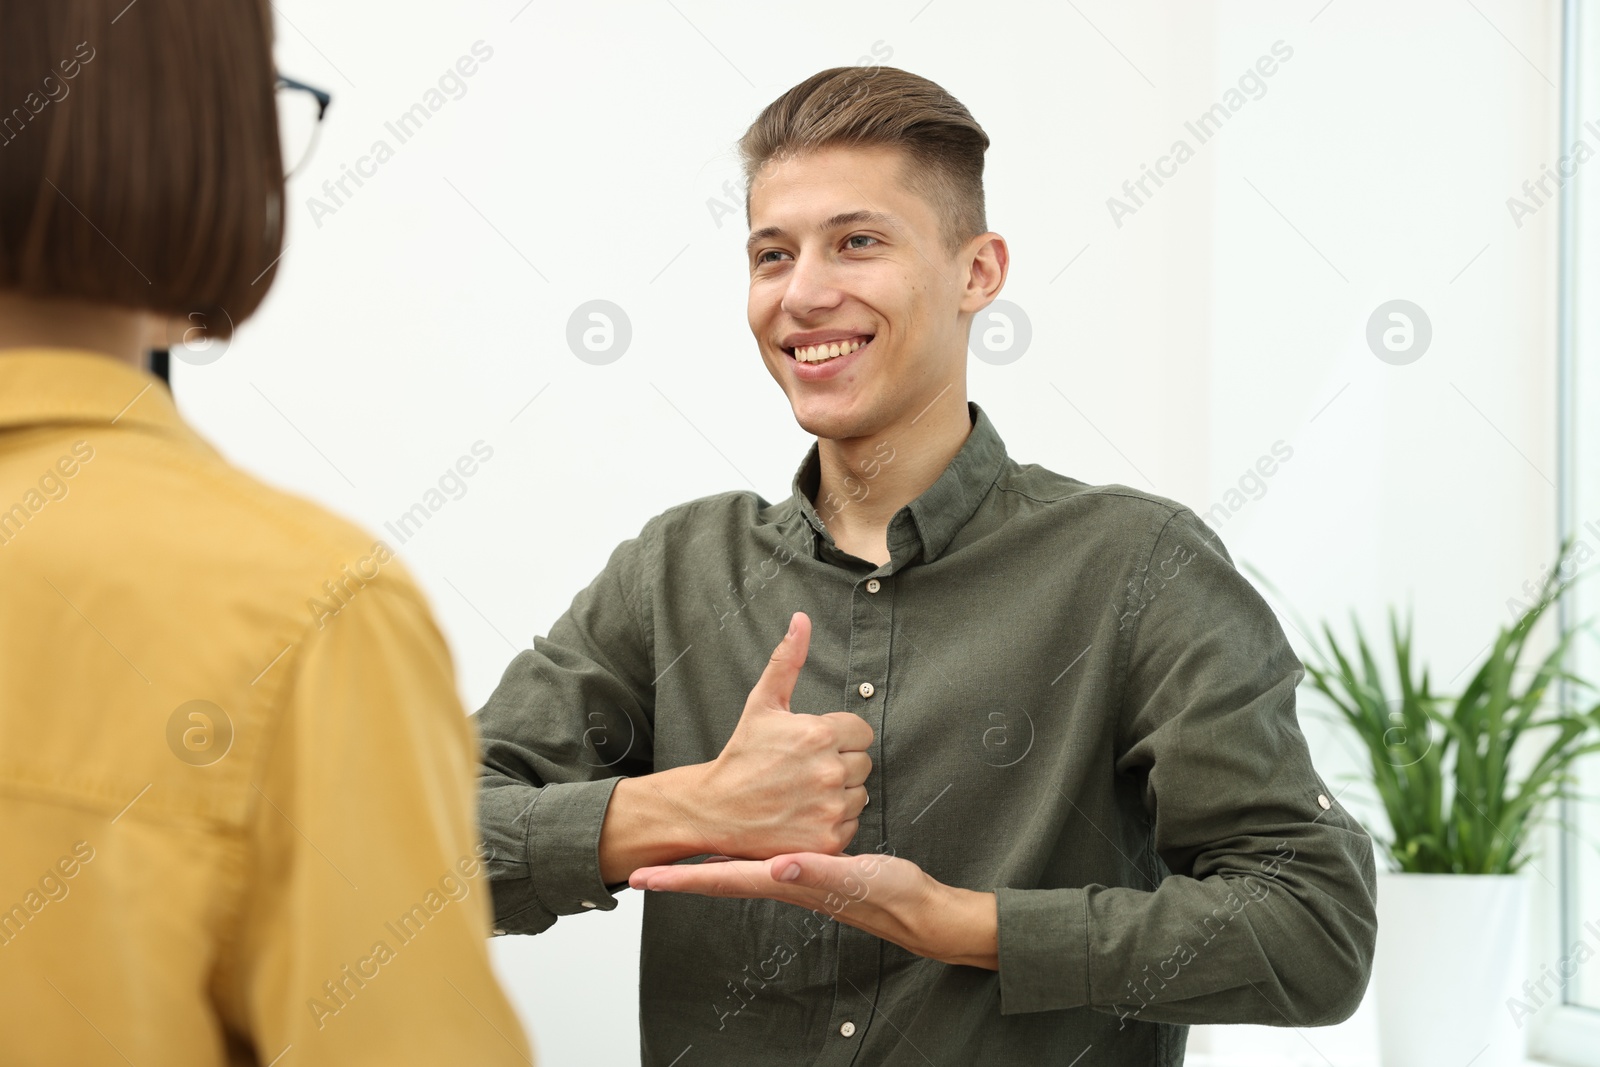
x=830, y=425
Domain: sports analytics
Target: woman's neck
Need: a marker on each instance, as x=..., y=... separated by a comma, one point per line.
x=122, y=334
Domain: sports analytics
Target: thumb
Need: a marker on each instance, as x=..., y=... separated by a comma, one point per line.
x=776, y=683
x=811, y=869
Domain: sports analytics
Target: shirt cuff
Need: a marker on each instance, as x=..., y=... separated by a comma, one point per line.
x=553, y=867
x=1043, y=949
x=564, y=847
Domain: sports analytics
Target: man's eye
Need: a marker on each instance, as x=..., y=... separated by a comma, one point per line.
x=762, y=258
x=860, y=237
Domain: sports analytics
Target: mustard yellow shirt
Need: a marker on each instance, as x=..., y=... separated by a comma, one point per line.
x=237, y=819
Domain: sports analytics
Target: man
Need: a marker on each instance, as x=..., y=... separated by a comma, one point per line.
x=1059, y=800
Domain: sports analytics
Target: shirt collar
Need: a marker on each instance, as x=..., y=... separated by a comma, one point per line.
x=55, y=386
x=933, y=519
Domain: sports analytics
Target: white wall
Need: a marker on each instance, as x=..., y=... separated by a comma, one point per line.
x=429, y=309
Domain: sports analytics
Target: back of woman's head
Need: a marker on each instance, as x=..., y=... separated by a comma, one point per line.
x=139, y=157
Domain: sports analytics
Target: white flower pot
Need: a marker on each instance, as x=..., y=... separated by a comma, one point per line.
x=1452, y=949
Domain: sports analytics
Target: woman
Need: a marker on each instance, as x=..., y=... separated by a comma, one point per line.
x=236, y=782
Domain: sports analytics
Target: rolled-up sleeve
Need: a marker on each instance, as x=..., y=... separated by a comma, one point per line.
x=570, y=717
x=1268, y=913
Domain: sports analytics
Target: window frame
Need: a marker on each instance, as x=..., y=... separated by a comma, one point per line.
x=1569, y=1033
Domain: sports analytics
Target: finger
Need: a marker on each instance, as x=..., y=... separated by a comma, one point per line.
x=851, y=732
x=857, y=765
x=734, y=878
x=776, y=683
x=812, y=870
x=858, y=799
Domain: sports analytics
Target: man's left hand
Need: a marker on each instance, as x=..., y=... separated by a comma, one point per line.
x=886, y=896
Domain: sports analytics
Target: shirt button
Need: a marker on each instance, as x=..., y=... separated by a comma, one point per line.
x=848, y=1029
x=873, y=585
x=587, y=903
x=1323, y=800
x=865, y=689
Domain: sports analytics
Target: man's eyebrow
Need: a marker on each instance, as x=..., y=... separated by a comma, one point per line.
x=846, y=218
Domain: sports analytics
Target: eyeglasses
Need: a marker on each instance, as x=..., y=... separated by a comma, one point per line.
x=300, y=111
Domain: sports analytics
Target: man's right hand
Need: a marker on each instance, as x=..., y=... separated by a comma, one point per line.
x=784, y=782
x=787, y=782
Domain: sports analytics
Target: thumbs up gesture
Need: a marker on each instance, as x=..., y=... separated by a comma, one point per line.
x=788, y=782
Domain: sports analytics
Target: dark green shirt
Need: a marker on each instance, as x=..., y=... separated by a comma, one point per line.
x=1077, y=702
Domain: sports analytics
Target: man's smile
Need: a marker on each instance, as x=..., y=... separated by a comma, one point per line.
x=819, y=362
x=822, y=351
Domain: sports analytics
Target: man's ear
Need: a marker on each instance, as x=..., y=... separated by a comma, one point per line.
x=990, y=261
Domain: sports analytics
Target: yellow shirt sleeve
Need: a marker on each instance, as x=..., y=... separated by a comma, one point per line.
x=362, y=936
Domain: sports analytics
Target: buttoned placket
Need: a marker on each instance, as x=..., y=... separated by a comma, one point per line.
x=868, y=688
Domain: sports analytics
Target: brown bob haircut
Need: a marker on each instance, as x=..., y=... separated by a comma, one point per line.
x=139, y=156
x=881, y=107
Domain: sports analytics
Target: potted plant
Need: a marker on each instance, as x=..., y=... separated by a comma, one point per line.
x=1464, y=780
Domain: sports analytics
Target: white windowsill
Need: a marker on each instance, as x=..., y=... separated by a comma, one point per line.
x=1202, y=1059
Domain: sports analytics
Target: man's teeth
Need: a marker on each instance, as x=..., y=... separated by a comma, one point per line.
x=818, y=353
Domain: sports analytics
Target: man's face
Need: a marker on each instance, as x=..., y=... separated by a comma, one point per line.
x=842, y=251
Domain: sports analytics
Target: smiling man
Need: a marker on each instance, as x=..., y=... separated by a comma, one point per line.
x=1022, y=778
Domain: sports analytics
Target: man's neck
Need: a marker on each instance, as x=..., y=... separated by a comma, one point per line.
x=865, y=481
